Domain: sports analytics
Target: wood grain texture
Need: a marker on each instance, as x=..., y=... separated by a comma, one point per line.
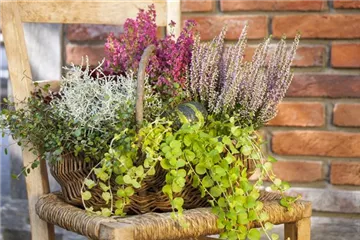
x=299, y=230
x=20, y=75
x=95, y=12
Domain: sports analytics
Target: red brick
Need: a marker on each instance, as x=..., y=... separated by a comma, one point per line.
x=74, y=53
x=306, y=56
x=197, y=5
x=272, y=5
x=324, y=85
x=298, y=171
x=85, y=32
x=299, y=114
x=345, y=55
x=318, y=26
x=210, y=26
x=345, y=173
x=316, y=143
x=346, y=4
x=347, y=115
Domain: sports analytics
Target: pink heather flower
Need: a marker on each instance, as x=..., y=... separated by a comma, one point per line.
x=170, y=61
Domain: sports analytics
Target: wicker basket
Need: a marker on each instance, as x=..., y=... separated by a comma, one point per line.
x=72, y=171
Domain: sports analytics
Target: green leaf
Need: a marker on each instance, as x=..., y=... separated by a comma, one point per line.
x=196, y=181
x=175, y=187
x=106, y=196
x=222, y=202
x=236, y=131
x=104, y=187
x=277, y=182
x=35, y=164
x=254, y=234
x=121, y=193
x=215, y=191
x=181, y=173
x=267, y=166
x=250, y=202
x=187, y=140
x=272, y=159
x=180, y=163
x=219, y=147
x=129, y=191
x=6, y=151
x=219, y=171
x=167, y=190
x=284, y=203
x=200, y=169
x=166, y=149
x=246, y=150
x=86, y=195
x=242, y=218
x=119, y=204
x=263, y=217
x=274, y=236
x=175, y=144
x=151, y=171
x=268, y=226
x=119, y=180
x=207, y=182
x=140, y=171
x=77, y=132
x=178, y=202
x=127, y=179
x=135, y=184
x=89, y=183
x=103, y=176
x=189, y=155
x=165, y=164
x=105, y=212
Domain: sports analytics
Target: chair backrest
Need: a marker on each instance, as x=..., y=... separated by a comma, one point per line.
x=15, y=12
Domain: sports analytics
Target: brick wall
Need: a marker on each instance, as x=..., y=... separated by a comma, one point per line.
x=316, y=132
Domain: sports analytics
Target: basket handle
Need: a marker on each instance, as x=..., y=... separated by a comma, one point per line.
x=139, y=109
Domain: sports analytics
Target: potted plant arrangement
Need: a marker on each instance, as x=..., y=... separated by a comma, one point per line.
x=172, y=127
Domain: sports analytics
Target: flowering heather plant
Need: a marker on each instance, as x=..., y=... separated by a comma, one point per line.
x=228, y=85
x=167, y=67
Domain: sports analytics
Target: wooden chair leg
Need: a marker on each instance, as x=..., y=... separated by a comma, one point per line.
x=299, y=230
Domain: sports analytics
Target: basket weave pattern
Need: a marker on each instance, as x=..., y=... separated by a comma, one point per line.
x=71, y=172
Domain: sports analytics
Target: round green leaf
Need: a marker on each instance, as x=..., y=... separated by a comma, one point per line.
x=207, y=182
x=86, y=195
x=254, y=234
x=215, y=191
x=200, y=169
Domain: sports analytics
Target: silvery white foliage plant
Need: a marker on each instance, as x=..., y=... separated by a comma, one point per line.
x=92, y=98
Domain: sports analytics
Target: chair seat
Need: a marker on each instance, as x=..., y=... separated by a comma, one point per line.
x=53, y=209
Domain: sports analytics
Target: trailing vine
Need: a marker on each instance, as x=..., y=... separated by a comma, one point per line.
x=216, y=157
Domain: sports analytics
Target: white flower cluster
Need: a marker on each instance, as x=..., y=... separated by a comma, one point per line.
x=92, y=98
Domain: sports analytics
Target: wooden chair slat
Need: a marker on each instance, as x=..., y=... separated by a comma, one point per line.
x=37, y=182
x=95, y=12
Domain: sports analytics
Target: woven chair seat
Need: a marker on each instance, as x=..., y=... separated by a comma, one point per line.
x=53, y=209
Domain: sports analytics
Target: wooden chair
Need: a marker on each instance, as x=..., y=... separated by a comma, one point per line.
x=48, y=209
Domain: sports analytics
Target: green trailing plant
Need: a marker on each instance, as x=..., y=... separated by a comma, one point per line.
x=213, y=155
